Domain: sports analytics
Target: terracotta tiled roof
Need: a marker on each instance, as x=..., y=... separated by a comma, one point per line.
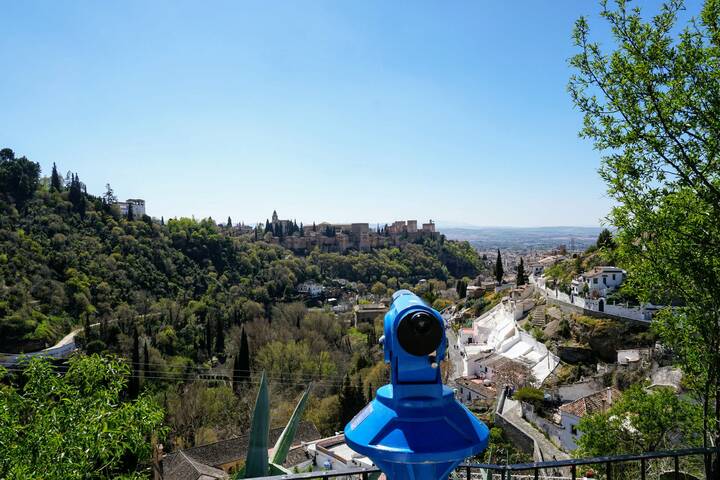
x=596, y=402
x=477, y=387
x=183, y=467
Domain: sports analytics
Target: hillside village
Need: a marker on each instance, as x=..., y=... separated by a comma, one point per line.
x=529, y=358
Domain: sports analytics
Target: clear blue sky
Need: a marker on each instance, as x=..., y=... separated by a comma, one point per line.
x=338, y=110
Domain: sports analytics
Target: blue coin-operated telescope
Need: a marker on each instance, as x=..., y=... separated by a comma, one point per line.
x=414, y=428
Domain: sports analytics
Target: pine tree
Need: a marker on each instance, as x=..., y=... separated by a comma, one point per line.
x=130, y=213
x=520, y=274
x=134, y=383
x=219, y=336
x=499, y=272
x=229, y=223
x=55, y=183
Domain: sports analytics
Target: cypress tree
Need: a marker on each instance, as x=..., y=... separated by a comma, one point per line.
x=219, y=336
x=347, y=401
x=499, y=272
x=267, y=226
x=208, y=337
x=461, y=288
x=162, y=220
x=302, y=230
x=55, y=184
x=229, y=223
x=359, y=395
x=130, y=214
x=76, y=196
x=86, y=329
x=520, y=274
x=134, y=384
x=314, y=227
x=241, y=370
x=146, y=362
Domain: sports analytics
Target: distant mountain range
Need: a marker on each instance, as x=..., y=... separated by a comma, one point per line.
x=524, y=238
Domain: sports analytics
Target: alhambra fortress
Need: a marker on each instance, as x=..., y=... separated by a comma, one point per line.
x=342, y=237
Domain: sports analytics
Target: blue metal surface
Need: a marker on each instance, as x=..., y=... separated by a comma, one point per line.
x=414, y=428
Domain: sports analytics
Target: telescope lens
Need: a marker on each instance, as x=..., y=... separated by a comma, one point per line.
x=419, y=333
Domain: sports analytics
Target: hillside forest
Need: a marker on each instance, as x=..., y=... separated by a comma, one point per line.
x=188, y=304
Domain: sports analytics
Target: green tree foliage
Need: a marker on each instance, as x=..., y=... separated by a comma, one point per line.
x=293, y=362
x=68, y=258
x=646, y=105
x=641, y=421
x=605, y=239
x=499, y=272
x=19, y=177
x=531, y=395
x=74, y=425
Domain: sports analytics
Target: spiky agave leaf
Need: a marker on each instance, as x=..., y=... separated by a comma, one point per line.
x=282, y=446
x=256, y=464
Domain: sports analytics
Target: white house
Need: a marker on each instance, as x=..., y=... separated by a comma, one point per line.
x=470, y=390
x=536, y=269
x=599, y=281
x=137, y=205
x=571, y=413
x=494, y=337
x=311, y=288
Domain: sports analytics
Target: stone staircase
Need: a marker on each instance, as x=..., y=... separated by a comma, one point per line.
x=538, y=317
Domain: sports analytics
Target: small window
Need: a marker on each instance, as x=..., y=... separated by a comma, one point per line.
x=595, y=281
x=613, y=276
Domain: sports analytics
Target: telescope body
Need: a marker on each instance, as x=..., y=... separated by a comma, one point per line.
x=414, y=428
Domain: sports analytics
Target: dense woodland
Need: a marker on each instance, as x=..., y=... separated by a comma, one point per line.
x=182, y=300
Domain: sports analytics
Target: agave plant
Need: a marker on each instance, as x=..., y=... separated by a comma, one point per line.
x=257, y=463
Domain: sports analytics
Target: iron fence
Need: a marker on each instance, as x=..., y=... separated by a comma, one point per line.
x=692, y=463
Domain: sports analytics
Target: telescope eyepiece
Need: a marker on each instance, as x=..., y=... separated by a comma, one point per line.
x=419, y=333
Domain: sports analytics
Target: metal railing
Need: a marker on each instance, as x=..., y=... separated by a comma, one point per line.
x=618, y=467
